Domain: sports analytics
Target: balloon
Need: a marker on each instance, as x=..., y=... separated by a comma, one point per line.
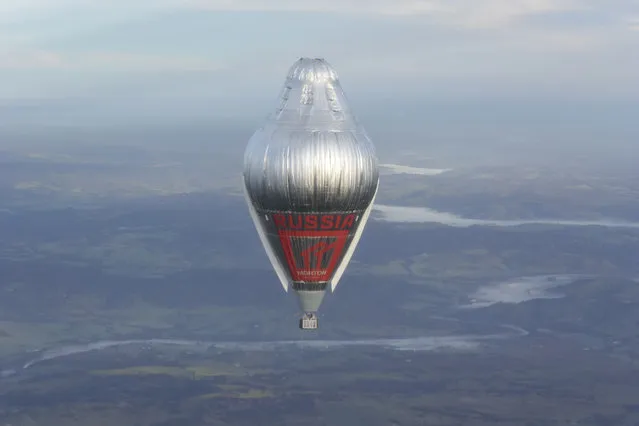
x=310, y=178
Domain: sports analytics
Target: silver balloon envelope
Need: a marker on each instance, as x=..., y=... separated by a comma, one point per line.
x=310, y=178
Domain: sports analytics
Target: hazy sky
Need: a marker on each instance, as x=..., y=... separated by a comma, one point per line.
x=233, y=54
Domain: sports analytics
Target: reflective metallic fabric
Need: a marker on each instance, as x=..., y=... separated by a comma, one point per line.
x=310, y=176
x=311, y=154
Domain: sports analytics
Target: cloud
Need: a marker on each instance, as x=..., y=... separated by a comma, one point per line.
x=105, y=61
x=633, y=23
x=474, y=14
x=17, y=7
x=27, y=60
x=440, y=47
x=464, y=13
x=501, y=13
x=360, y=7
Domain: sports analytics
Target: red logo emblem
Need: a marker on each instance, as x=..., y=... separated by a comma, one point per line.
x=312, y=255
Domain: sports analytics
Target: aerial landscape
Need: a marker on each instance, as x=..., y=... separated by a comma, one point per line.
x=139, y=303
x=497, y=280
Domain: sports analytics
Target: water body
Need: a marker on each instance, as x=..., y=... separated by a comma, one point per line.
x=426, y=343
x=519, y=290
x=401, y=214
x=398, y=169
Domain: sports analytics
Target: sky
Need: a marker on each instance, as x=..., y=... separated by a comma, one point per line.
x=231, y=56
